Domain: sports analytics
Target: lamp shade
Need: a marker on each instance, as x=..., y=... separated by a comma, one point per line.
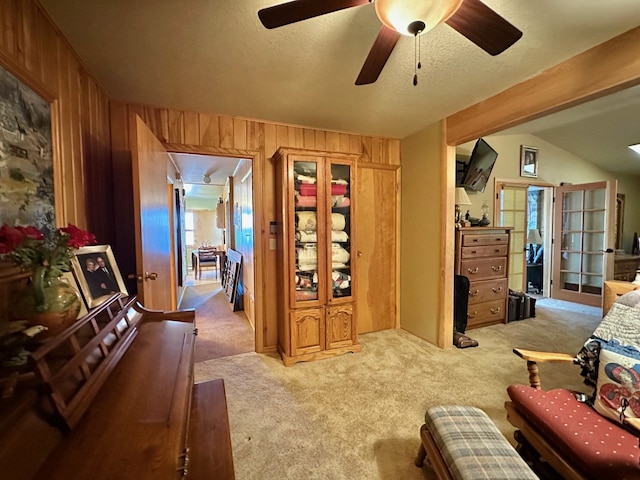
x=533, y=237
x=399, y=14
x=461, y=196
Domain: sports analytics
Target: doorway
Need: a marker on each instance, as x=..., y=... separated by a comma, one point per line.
x=217, y=191
x=527, y=207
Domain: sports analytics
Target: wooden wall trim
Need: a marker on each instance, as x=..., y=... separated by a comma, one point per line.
x=609, y=67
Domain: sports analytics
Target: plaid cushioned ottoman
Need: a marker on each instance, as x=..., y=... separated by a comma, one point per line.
x=464, y=444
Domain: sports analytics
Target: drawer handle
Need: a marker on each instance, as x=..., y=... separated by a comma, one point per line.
x=471, y=315
x=475, y=270
x=496, y=290
x=497, y=250
x=496, y=269
x=474, y=294
x=473, y=251
x=495, y=310
x=475, y=240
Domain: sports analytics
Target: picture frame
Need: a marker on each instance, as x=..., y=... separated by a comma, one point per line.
x=68, y=277
x=528, y=161
x=29, y=158
x=93, y=260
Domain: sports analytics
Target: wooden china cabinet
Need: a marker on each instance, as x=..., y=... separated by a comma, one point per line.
x=316, y=245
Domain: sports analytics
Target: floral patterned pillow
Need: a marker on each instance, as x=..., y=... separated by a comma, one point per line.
x=618, y=388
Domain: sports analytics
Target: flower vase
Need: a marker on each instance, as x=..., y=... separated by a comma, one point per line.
x=51, y=303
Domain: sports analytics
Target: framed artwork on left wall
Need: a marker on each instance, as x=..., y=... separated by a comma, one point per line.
x=26, y=155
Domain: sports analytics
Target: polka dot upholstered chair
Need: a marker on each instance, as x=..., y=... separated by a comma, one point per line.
x=581, y=436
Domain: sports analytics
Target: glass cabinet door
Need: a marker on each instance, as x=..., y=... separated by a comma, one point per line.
x=306, y=232
x=339, y=237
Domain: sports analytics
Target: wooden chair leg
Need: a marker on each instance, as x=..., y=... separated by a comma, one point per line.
x=422, y=453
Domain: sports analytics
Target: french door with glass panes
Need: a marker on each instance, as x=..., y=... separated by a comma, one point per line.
x=511, y=211
x=584, y=228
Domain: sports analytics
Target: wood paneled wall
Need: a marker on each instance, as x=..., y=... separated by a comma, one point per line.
x=239, y=137
x=33, y=49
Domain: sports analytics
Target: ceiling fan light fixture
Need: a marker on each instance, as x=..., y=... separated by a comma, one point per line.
x=207, y=178
x=400, y=14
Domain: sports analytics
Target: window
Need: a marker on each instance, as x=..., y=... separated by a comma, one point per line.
x=188, y=225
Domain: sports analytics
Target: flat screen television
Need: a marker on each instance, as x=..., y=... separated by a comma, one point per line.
x=478, y=170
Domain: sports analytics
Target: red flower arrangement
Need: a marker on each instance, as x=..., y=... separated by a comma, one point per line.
x=29, y=248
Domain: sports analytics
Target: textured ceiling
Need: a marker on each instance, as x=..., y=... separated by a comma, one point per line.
x=215, y=56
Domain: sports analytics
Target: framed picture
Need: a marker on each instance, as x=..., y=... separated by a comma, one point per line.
x=97, y=273
x=26, y=155
x=70, y=279
x=528, y=161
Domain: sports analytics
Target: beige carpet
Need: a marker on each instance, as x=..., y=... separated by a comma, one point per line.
x=221, y=331
x=357, y=416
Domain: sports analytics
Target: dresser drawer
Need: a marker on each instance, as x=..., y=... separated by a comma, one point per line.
x=486, y=313
x=487, y=290
x=485, y=239
x=484, y=251
x=479, y=269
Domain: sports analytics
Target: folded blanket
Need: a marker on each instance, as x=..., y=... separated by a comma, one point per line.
x=303, y=236
x=340, y=280
x=339, y=254
x=340, y=201
x=307, y=221
x=305, y=179
x=306, y=201
x=339, y=236
x=338, y=222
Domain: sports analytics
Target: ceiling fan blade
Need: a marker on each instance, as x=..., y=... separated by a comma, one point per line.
x=484, y=27
x=292, y=12
x=378, y=56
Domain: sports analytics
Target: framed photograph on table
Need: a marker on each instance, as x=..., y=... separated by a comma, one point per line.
x=528, y=161
x=97, y=274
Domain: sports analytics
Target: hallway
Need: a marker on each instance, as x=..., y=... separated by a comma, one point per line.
x=221, y=332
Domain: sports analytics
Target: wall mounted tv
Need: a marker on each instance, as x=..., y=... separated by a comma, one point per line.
x=478, y=170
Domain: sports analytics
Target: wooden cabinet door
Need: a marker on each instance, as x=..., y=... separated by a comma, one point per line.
x=340, y=326
x=307, y=331
x=377, y=251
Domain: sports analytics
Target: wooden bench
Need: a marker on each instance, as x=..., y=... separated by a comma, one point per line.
x=210, y=445
x=462, y=443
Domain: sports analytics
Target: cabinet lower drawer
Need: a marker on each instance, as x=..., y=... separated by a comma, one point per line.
x=485, y=239
x=487, y=290
x=484, y=251
x=484, y=268
x=486, y=313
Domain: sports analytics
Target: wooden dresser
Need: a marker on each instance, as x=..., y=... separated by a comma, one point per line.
x=626, y=267
x=113, y=397
x=482, y=255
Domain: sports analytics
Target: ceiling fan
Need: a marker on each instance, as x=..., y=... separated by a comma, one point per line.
x=471, y=18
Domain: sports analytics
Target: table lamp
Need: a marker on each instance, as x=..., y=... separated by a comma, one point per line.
x=461, y=199
x=533, y=238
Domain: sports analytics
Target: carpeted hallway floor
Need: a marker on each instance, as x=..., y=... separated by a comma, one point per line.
x=221, y=332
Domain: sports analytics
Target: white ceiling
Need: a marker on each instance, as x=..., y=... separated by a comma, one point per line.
x=192, y=169
x=215, y=56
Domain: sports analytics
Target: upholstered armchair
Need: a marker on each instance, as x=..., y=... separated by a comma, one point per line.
x=563, y=434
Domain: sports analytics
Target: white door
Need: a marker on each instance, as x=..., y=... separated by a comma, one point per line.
x=583, y=241
x=511, y=211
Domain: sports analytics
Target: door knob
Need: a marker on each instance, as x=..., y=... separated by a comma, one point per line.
x=140, y=278
x=359, y=253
